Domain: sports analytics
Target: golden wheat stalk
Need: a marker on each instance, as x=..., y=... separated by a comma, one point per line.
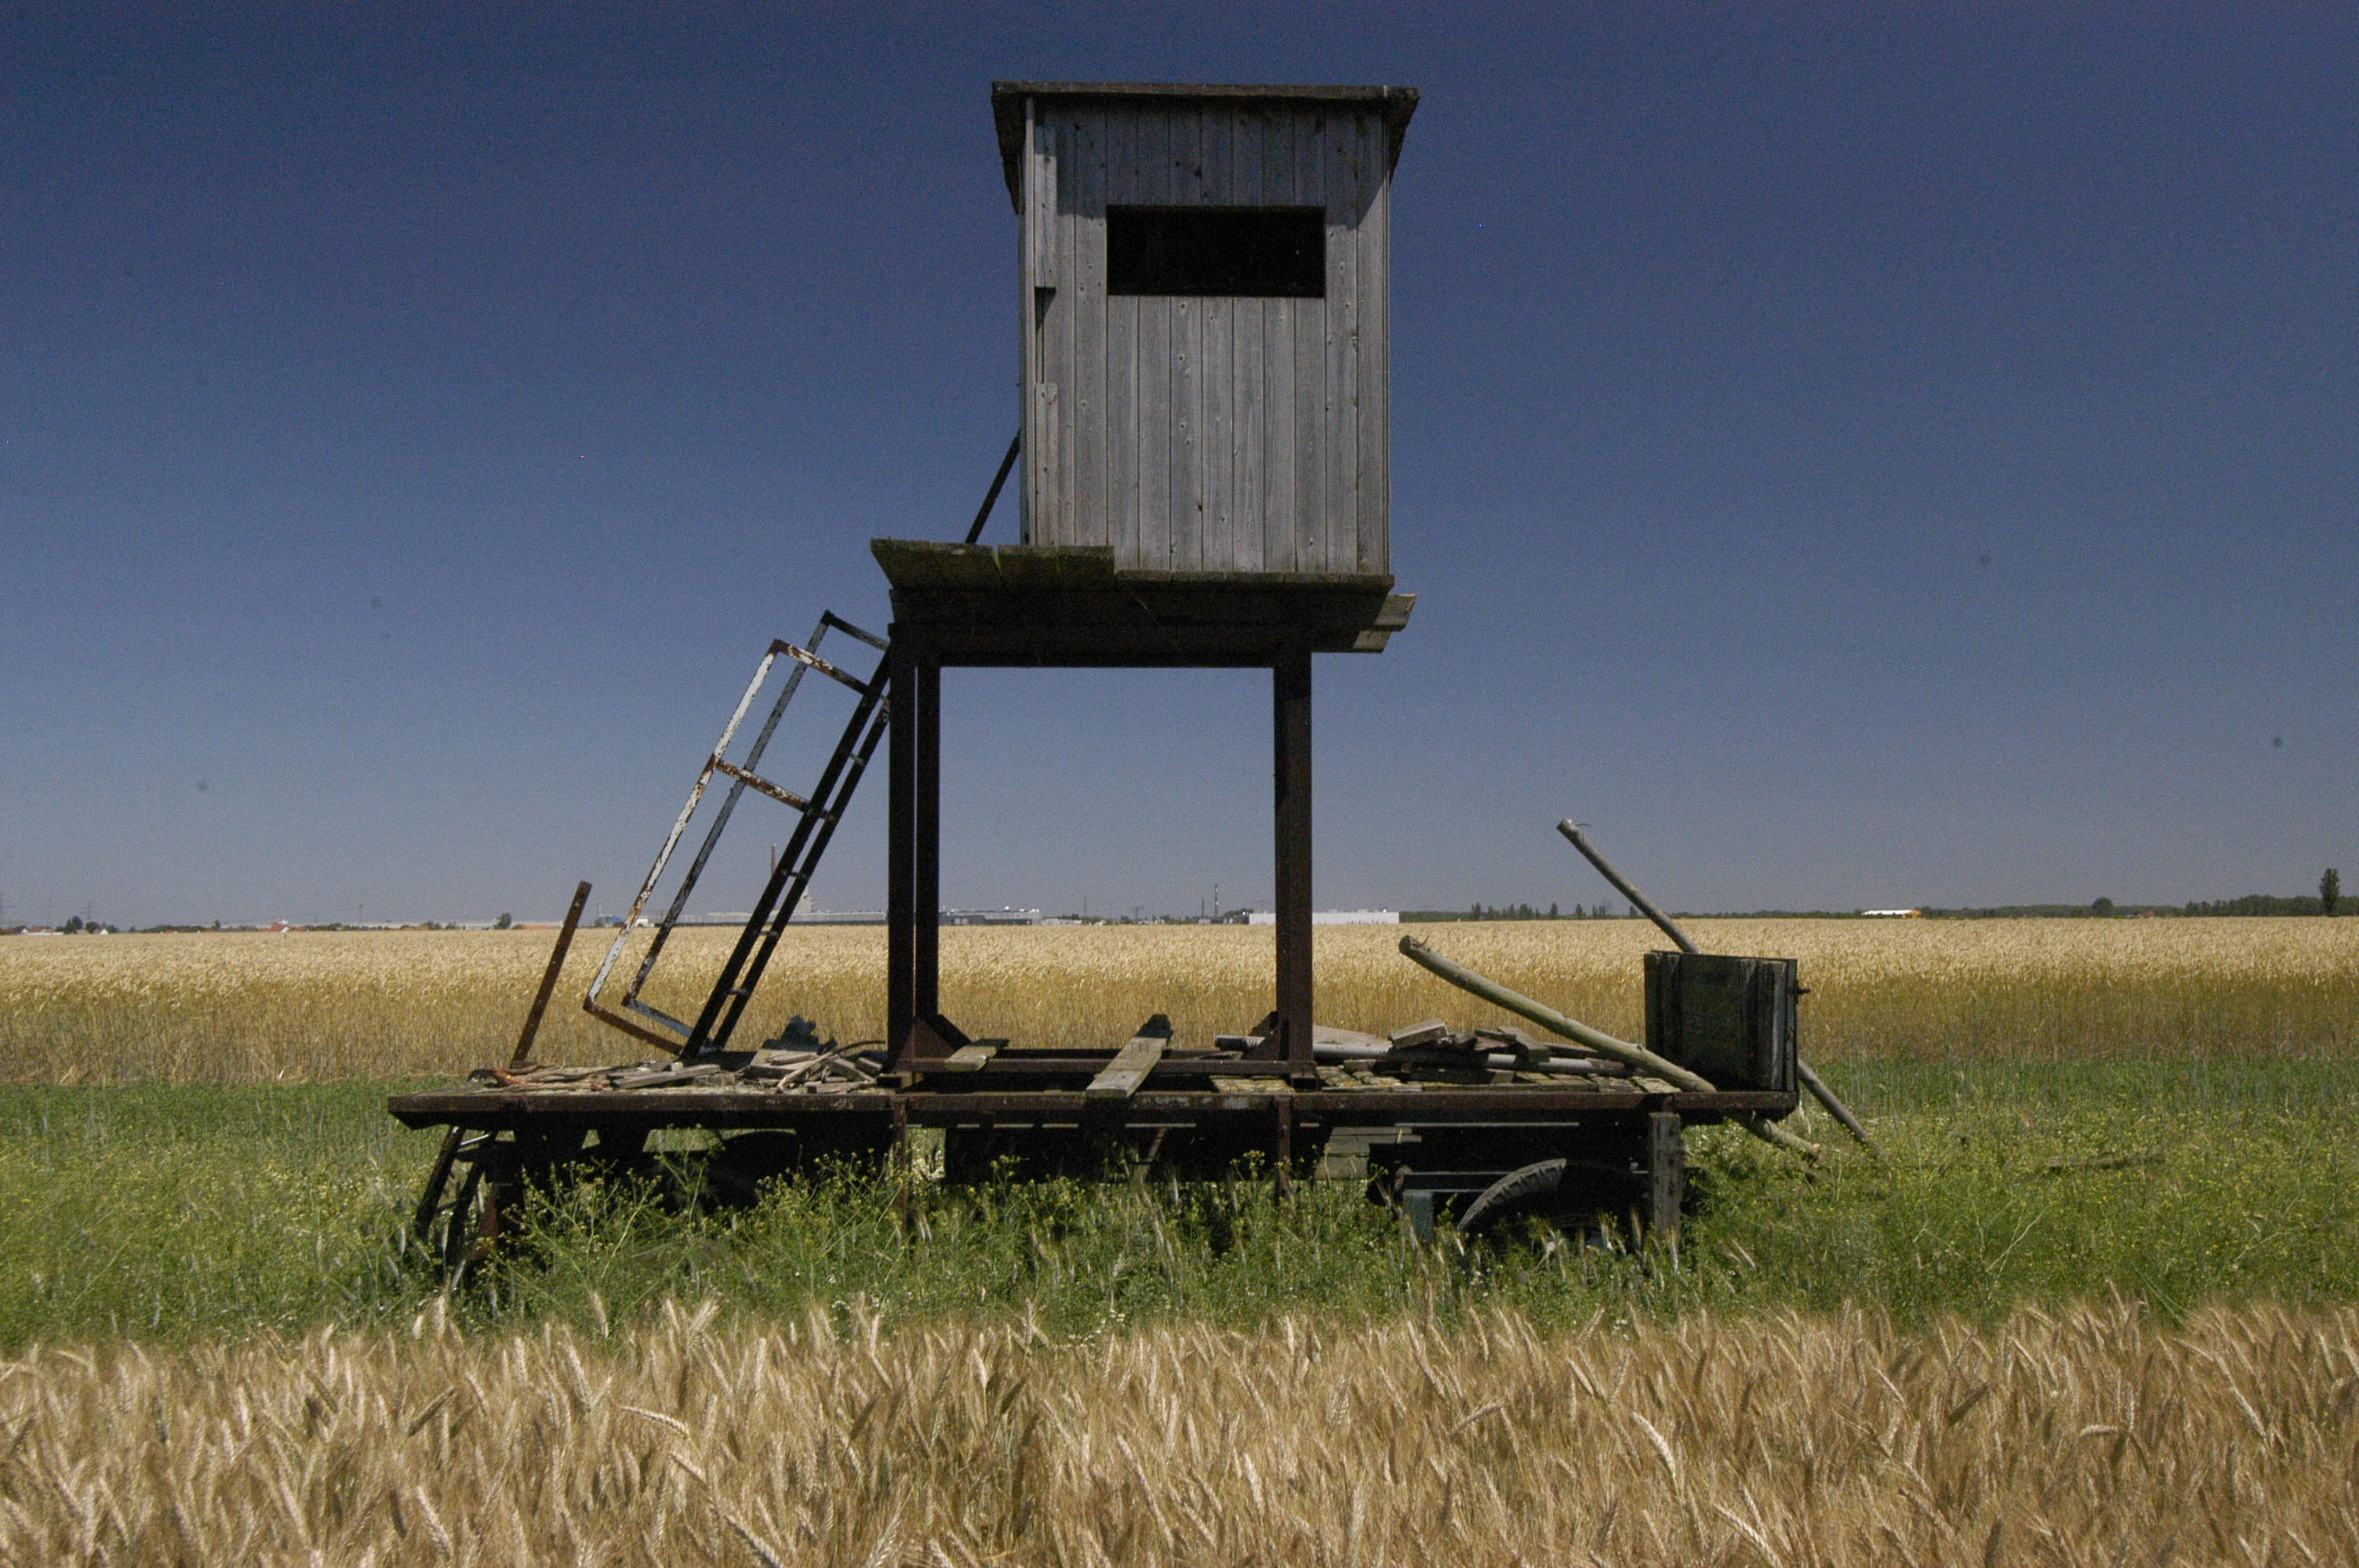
x=262, y=1008
x=2092, y=1436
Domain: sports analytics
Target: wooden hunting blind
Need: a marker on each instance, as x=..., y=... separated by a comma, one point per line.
x=1204, y=289
x=1204, y=280
x=1203, y=275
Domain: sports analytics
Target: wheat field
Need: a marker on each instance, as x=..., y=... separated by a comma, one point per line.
x=2091, y=1436
x=324, y=1005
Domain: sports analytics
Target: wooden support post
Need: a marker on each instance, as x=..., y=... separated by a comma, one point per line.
x=901, y=838
x=1666, y=1156
x=1290, y=693
x=926, y=879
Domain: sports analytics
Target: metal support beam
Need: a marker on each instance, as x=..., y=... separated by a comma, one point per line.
x=926, y=872
x=1291, y=713
x=900, y=840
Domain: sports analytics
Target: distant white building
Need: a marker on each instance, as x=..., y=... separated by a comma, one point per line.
x=1333, y=918
x=1892, y=913
x=807, y=916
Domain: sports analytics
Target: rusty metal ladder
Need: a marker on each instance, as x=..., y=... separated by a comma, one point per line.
x=817, y=816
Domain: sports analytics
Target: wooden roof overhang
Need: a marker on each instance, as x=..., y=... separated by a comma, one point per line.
x=1396, y=103
x=1069, y=605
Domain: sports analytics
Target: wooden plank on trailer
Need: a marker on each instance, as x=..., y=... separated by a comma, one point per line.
x=970, y=1058
x=1228, y=1084
x=1129, y=1068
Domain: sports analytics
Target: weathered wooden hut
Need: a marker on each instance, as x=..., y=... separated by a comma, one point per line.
x=1204, y=278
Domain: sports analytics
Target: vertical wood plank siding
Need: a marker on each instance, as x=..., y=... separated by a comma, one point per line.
x=1206, y=433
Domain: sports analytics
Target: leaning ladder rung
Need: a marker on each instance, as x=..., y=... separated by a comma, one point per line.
x=823, y=668
x=786, y=796
x=659, y=1015
x=830, y=618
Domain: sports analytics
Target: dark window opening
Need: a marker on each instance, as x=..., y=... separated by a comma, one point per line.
x=1259, y=252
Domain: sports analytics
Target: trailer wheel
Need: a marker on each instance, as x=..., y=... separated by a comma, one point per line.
x=1518, y=1192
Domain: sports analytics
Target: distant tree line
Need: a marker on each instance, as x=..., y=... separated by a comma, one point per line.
x=1522, y=912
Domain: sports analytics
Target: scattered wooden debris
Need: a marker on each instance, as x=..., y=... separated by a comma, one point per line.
x=664, y=1077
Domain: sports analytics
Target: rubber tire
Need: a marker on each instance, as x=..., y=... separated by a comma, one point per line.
x=1512, y=1193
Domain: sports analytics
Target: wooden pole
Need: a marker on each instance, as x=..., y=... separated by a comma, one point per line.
x=1597, y=1040
x=1663, y=922
x=439, y=1175
x=523, y=1051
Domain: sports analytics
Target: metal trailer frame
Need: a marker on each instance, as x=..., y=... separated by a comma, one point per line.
x=1485, y=1137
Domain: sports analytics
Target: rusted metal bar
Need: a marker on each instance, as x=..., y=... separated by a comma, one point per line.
x=741, y=775
x=998, y=480
x=783, y=797
x=828, y=618
x=608, y=1016
x=687, y=811
x=790, y=878
x=750, y=954
x=728, y=807
x=1597, y=1040
x=805, y=656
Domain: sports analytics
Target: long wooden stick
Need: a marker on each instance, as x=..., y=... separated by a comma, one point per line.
x=1835, y=1108
x=523, y=1051
x=1663, y=922
x=439, y=1175
x=1597, y=1040
x=1624, y=886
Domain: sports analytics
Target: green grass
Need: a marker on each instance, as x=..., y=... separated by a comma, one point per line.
x=175, y=1213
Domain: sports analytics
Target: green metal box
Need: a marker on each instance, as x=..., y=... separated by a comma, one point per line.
x=1731, y=1019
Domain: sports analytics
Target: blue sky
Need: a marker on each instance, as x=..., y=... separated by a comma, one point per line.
x=1852, y=456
